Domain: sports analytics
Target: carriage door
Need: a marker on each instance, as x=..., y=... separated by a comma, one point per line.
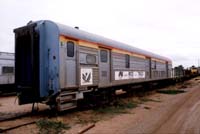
x=167, y=70
x=104, y=66
x=70, y=76
x=150, y=69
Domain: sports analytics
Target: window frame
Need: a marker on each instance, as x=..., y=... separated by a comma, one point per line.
x=127, y=61
x=103, y=56
x=155, y=64
x=7, y=71
x=70, y=53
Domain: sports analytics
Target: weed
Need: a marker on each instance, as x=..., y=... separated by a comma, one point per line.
x=117, y=108
x=81, y=121
x=172, y=92
x=110, y=110
x=92, y=119
x=147, y=99
x=51, y=127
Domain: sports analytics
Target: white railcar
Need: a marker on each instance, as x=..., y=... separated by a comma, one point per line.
x=6, y=68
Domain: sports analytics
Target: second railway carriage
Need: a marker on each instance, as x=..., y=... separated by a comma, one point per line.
x=57, y=64
x=6, y=72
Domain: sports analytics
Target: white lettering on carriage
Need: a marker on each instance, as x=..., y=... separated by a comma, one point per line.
x=124, y=75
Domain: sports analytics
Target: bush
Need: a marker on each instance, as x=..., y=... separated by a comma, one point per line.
x=173, y=92
x=117, y=107
x=51, y=127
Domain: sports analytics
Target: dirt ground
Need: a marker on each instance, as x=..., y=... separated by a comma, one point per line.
x=155, y=113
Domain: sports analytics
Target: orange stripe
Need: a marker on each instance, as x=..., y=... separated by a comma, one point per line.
x=108, y=47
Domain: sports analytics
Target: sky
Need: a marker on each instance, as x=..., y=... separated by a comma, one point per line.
x=170, y=28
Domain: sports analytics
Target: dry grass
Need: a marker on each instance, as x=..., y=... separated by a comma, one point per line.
x=118, y=107
x=148, y=99
x=172, y=92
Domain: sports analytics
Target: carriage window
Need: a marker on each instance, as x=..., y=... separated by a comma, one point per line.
x=154, y=64
x=127, y=58
x=70, y=49
x=104, y=55
x=7, y=70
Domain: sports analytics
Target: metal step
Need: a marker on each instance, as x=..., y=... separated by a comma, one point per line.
x=68, y=98
x=67, y=93
x=67, y=106
x=66, y=101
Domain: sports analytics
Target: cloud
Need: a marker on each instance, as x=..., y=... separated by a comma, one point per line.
x=170, y=28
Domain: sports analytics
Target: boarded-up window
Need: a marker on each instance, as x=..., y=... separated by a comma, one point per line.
x=91, y=59
x=7, y=70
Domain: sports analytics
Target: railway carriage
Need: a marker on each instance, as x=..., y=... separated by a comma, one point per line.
x=6, y=72
x=58, y=64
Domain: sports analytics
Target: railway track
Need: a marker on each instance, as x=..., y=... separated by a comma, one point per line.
x=13, y=116
x=87, y=103
x=7, y=116
x=17, y=126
